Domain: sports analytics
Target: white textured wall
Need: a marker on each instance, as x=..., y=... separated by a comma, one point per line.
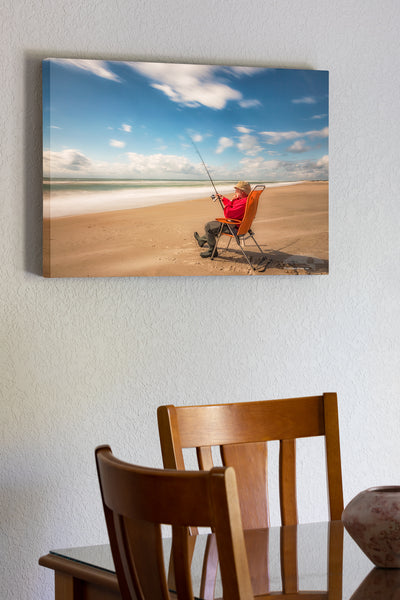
x=88, y=361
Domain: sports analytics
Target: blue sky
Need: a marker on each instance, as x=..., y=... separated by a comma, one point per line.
x=135, y=120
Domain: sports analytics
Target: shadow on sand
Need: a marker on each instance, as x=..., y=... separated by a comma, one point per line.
x=293, y=264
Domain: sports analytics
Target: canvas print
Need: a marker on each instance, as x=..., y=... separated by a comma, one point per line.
x=161, y=169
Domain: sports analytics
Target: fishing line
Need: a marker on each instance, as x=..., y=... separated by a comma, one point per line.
x=209, y=176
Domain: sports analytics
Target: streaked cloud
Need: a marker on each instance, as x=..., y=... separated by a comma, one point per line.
x=117, y=144
x=298, y=147
x=189, y=85
x=223, y=143
x=276, y=137
x=68, y=161
x=249, y=103
x=259, y=168
x=73, y=163
x=323, y=162
x=320, y=133
x=97, y=67
x=242, y=129
x=167, y=165
x=239, y=71
x=319, y=116
x=304, y=100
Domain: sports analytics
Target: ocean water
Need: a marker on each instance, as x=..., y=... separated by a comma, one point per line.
x=68, y=197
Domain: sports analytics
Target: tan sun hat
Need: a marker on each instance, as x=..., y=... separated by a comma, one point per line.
x=244, y=186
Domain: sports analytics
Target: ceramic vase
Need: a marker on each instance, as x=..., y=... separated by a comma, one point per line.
x=372, y=519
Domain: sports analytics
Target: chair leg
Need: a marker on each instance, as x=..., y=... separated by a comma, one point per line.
x=216, y=243
x=219, y=237
x=245, y=255
x=256, y=243
x=210, y=567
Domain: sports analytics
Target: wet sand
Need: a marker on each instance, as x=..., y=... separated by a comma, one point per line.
x=291, y=226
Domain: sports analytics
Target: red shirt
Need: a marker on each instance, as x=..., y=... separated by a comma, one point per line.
x=234, y=209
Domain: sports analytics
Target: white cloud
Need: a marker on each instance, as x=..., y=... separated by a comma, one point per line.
x=304, y=100
x=323, y=162
x=319, y=116
x=117, y=144
x=320, y=133
x=249, y=103
x=223, y=143
x=241, y=129
x=238, y=71
x=275, y=137
x=167, y=165
x=65, y=162
x=96, y=67
x=54, y=127
x=249, y=145
x=190, y=85
x=127, y=128
x=261, y=169
x=298, y=146
x=72, y=163
x=197, y=137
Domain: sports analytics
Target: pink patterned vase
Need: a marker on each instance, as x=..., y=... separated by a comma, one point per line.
x=372, y=519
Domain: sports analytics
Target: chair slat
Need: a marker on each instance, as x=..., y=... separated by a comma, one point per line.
x=250, y=464
x=204, y=458
x=287, y=481
x=210, y=569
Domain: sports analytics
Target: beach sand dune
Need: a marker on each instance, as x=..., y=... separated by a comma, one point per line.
x=291, y=226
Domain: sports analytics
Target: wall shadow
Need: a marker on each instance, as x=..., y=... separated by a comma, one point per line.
x=32, y=164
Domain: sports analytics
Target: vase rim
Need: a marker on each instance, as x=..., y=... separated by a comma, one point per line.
x=385, y=489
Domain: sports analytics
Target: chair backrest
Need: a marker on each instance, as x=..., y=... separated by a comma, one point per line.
x=137, y=500
x=251, y=209
x=242, y=431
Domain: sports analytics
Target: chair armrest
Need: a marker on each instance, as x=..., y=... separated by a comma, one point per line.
x=229, y=221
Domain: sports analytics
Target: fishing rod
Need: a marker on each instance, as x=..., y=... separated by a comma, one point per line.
x=217, y=195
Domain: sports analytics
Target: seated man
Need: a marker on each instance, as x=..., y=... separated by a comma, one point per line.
x=233, y=209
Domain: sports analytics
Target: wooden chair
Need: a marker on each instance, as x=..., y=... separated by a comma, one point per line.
x=240, y=230
x=242, y=431
x=137, y=500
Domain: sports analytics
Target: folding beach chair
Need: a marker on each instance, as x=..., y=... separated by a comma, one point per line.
x=240, y=230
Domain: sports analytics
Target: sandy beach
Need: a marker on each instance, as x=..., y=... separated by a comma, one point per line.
x=291, y=227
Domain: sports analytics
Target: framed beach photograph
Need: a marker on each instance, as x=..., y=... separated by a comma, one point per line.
x=164, y=169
